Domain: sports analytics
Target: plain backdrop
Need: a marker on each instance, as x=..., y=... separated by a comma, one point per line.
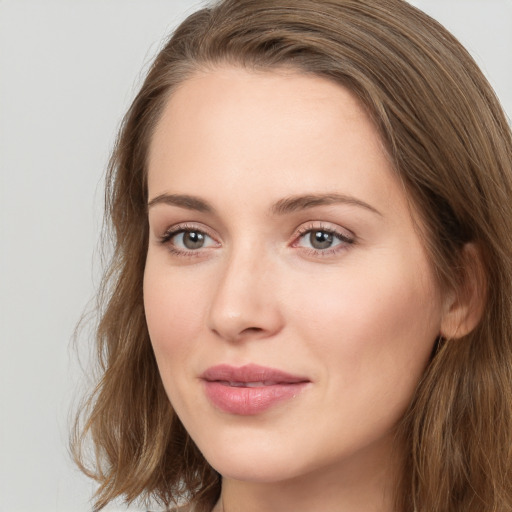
x=68, y=71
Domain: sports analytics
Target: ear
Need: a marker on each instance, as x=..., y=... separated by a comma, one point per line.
x=464, y=307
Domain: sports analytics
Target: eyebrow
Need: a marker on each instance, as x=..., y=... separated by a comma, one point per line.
x=295, y=203
x=183, y=201
x=281, y=207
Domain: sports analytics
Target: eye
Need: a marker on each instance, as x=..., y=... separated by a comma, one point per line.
x=183, y=240
x=323, y=240
x=190, y=239
x=320, y=239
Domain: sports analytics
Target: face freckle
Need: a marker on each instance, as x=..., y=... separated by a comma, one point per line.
x=256, y=162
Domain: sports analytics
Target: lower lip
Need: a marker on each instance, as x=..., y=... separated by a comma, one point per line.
x=250, y=401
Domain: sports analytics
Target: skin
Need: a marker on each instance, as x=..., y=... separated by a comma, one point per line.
x=358, y=319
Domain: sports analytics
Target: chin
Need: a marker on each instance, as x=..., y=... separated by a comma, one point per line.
x=254, y=469
x=255, y=458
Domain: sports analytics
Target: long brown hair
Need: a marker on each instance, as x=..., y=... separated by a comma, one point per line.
x=452, y=148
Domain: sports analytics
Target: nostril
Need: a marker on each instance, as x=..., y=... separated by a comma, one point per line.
x=252, y=330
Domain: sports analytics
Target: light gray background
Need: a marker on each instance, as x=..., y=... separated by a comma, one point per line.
x=68, y=71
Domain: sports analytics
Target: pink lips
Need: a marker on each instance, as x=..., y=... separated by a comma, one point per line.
x=250, y=389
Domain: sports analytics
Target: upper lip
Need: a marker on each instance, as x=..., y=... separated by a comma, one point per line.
x=250, y=373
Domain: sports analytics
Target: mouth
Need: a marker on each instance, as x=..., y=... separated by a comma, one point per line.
x=249, y=384
x=251, y=389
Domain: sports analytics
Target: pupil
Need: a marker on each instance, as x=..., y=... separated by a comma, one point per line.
x=321, y=239
x=193, y=240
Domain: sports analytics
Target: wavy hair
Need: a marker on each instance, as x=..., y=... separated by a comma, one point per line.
x=451, y=146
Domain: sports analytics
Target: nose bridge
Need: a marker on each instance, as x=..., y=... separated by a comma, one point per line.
x=243, y=303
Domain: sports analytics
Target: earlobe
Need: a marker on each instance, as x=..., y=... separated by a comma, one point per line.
x=464, y=307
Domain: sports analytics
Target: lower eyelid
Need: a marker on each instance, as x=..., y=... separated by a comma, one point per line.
x=178, y=249
x=343, y=240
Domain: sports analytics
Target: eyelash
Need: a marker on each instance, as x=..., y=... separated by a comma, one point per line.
x=344, y=240
x=166, y=238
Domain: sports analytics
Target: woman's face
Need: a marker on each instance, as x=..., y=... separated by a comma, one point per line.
x=289, y=300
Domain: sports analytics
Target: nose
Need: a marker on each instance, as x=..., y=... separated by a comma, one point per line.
x=245, y=303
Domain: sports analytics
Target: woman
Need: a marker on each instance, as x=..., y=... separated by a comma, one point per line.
x=309, y=305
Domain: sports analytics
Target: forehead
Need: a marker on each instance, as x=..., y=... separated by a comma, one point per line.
x=241, y=96
x=280, y=132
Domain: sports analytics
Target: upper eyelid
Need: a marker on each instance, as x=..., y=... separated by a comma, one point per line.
x=298, y=232
x=175, y=230
x=185, y=226
x=323, y=226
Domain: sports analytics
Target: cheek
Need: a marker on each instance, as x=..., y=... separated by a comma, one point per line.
x=379, y=321
x=174, y=312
